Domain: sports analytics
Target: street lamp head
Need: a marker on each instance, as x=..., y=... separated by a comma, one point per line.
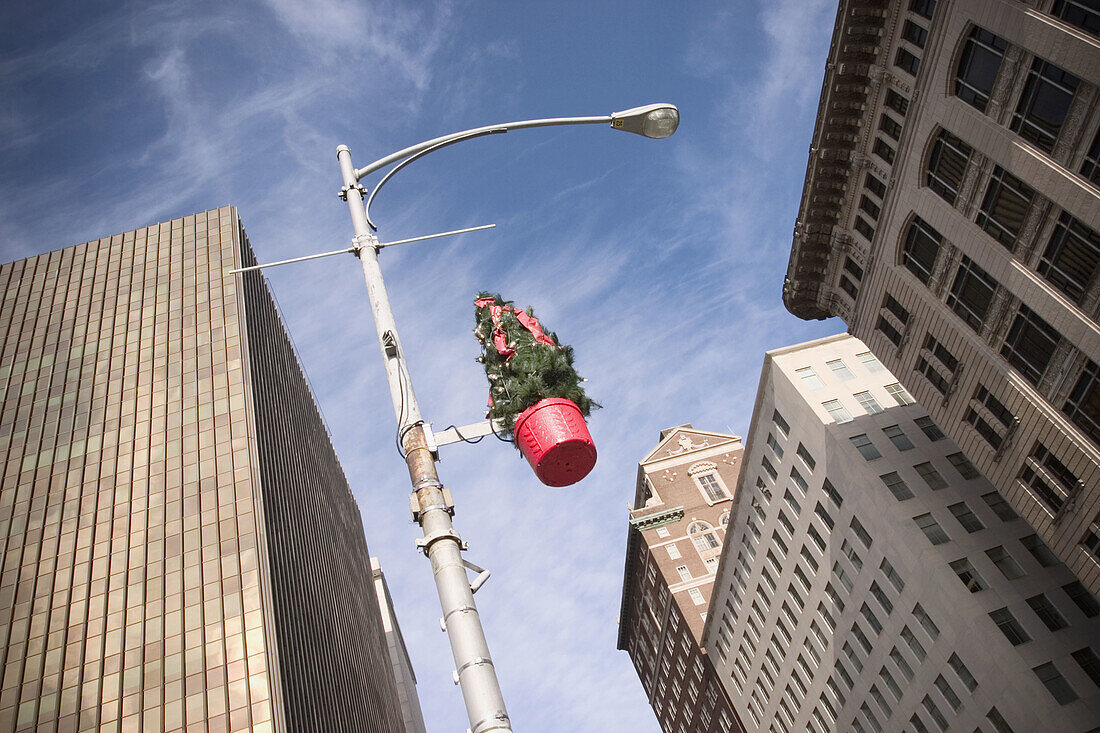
x=653, y=120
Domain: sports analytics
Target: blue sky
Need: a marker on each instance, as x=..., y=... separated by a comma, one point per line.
x=661, y=262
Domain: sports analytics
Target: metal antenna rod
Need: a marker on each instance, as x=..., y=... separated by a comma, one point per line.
x=442, y=545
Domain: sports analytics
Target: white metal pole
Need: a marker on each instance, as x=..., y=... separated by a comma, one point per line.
x=474, y=667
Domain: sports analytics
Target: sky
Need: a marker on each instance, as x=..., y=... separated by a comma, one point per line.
x=660, y=261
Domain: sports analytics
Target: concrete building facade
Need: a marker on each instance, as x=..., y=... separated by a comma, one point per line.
x=951, y=217
x=874, y=581
x=399, y=656
x=181, y=550
x=677, y=526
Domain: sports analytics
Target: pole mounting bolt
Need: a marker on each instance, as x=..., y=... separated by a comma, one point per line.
x=357, y=186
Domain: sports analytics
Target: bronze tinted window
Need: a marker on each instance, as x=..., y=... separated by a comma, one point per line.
x=1030, y=344
x=1044, y=103
x=978, y=67
x=1071, y=258
x=947, y=165
x=1006, y=203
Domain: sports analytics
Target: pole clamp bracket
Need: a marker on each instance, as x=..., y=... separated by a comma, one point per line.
x=499, y=721
x=357, y=186
x=424, y=544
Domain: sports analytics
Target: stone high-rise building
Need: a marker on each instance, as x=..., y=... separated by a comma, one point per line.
x=873, y=581
x=951, y=217
x=181, y=550
x=677, y=526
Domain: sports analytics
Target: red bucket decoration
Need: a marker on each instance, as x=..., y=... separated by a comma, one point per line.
x=554, y=438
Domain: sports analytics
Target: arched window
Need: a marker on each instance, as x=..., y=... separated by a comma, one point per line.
x=978, y=67
x=724, y=520
x=704, y=537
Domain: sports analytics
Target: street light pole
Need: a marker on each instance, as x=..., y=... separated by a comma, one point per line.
x=474, y=670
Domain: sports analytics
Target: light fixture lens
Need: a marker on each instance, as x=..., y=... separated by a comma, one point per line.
x=661, y=123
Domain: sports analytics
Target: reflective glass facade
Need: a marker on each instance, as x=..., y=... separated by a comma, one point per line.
x=163, y=568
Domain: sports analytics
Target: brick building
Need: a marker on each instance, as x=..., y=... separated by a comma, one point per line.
x=677, y=526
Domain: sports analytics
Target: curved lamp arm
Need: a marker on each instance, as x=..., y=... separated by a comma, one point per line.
x=652, y=120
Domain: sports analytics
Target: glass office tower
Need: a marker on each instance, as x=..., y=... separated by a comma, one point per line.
x=181, y=550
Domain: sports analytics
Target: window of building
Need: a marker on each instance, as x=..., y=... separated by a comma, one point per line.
x=914, y=645
x=963, y=465
x=900, y=395
x=865, y=447
x=800, y=482
x=865, y=229
x=870, y=362
x=1044, y=103
x=788, y=497
x=978, y=67
x=662, y=531
x=867, y=401
x=971, y=293
x=922, y=248
x=1005, y=562
x=966, y=517
x=1083, y=405
x=1055, y=683
x=1082, y=598
x=892, y=129
x=882, y=598
x=704, y=537
x=851, y=277
x=853, y=557
x=883, y=150
x=1091, y=540
x=831, y=492
x=873, y=184
x=823, y=515
x=898, y=437
x=781, y=423
x=837, y=411
x=809, y=378
x=931, y=528
x=685, y=574
x=897, y=486
x=712, y=489
x=1046, y=612
x=1085, y=14
x=896, y=102
x=1039, y=550
x=901, y=663
x=891, y=683
x=860, y=532
x=887, y=328
x=969, y=576
x=869, y=207
x=930, y=429
x=914, y=33
x=1090, y=663
x=1072, y=257
x=808, y=556
x=962, y=672
x=947, y=166
x=892, y=575
x=907, y=61
x=1030, y=344
x=673, y=551
x=994, y=434
x=931, y=476
x=935, y=373
x=840, y=369
x=774, y=445
x=999, y=506
x=696, y=596
x=804, y=454
x=1009, y=626
x=769, y=468
x=1048, y=478
x=1005, y=206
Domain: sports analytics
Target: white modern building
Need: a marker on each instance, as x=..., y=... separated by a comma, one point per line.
x=873, y=581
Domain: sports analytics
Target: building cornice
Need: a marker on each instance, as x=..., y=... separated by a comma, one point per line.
x=833, y=159
x=657, y=519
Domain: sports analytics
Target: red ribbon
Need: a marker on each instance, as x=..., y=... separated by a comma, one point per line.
x=500, y=337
